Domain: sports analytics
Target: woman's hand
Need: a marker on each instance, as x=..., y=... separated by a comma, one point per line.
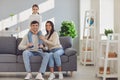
x=42, y=38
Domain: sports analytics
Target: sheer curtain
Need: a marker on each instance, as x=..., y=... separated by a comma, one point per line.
x=106, y=15
x=84, y=5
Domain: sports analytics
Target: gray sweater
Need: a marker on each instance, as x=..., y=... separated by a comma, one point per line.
x=53, y=41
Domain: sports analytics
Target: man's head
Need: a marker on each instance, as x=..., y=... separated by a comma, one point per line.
x=34, y=26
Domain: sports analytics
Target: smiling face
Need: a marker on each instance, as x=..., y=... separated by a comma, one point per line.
x=48, y=27
x=35, y=10
x=34, y=27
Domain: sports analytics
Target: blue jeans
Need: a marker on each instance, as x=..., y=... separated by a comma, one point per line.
x=30, y=37
x=55, y=55
x=26, y=58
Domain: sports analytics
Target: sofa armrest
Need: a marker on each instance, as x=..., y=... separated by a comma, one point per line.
x=70, y=51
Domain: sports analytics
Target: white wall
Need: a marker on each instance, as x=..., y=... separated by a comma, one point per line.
x=117, y=16
x=60, y=10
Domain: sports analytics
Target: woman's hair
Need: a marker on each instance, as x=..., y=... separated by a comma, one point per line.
x=52, y=29
x=35, y=5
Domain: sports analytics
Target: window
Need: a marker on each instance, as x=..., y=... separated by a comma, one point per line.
x=18, y=21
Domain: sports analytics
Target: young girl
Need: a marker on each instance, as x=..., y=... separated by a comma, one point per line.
x=35, y=17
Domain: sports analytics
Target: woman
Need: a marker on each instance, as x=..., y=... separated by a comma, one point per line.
x=52, y=41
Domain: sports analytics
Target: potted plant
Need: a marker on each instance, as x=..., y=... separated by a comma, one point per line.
x=108, y=31
x=68, y=29
x=11, y=15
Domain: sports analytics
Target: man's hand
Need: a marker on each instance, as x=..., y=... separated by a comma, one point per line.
x=29, y=45
x=40, y=46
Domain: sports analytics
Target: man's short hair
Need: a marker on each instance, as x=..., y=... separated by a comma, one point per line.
x=34, y=22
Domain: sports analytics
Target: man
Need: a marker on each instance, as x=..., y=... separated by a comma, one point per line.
x=29, y=52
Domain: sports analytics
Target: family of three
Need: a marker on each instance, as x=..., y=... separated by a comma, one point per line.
x=34, y=44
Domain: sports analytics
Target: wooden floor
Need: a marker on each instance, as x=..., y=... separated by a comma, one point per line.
x=83, y=73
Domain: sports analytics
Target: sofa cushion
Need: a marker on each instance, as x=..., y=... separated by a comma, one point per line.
x=70, y=51
x=7, y=45
x=66, y=42
x=38, y=59
x=7, y=58
x=19, y=52
x=33, y=59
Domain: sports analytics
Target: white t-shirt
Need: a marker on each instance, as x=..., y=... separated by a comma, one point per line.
x=36, y=17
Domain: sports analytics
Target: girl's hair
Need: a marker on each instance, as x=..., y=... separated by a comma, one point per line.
x=52, y=30
x=35, y=5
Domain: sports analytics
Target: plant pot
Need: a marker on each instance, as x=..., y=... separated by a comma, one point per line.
x=112, y=54
x=101, y=70
x=87, y=60
x=110, y=37
x=88, y=49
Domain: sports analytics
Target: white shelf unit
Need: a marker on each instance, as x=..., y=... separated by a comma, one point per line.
x=87, y=49
x=108, y=58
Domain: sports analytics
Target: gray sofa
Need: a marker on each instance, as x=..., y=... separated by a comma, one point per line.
x=11, y=58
